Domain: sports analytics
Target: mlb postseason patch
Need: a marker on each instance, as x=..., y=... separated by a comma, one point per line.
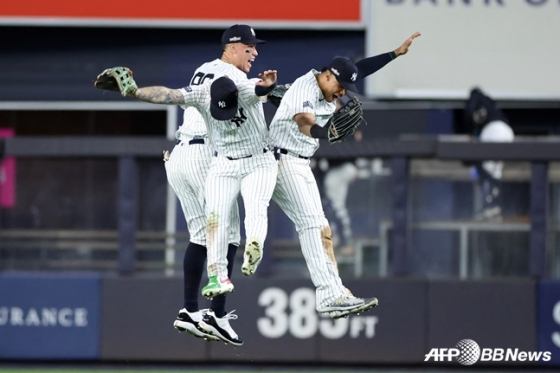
x=308, y=104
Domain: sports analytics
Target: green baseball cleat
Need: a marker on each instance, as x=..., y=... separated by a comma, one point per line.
x=217, y=287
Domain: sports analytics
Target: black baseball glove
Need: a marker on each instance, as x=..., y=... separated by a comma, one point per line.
x=345, y=121
x=116, y=79
x=275, y=96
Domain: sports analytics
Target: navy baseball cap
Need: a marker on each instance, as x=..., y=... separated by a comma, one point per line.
x=345, y=71
x=223, y=98
x=240, y=34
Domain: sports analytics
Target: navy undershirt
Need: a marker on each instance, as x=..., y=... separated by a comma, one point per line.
x=369, y=65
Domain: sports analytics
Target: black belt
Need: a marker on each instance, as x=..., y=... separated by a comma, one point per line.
x=196, y=141
x=235, y=159
x=284, y=151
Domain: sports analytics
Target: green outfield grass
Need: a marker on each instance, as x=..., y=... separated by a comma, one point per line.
x=37, y=370
x=184, y=370
x=275, y=369
x=187, y=369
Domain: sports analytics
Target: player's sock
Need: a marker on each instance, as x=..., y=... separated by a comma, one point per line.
x=193, y=268
x=218, y=304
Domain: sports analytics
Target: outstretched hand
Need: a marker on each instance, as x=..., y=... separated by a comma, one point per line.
x=403, y=49
x=268, y=78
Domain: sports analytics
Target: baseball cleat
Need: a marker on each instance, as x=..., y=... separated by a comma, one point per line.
x=217, y=287
x=219, y=327
x=188, y=322
x=251, y=257
x=343, y=303
x=369, y=303
x=166, y=155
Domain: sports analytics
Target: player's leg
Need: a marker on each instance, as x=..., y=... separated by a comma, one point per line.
x=298, y=196
x=218, y=304
x=186, y=172
x=216, y=323
x=256, y=189
x=222, y=189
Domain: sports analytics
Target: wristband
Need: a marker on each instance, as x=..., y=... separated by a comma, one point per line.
x=263, y=91
x=319, y=132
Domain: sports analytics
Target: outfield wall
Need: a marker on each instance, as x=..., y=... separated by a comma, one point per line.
x=70, y=317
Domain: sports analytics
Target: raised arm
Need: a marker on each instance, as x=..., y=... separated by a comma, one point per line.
x=403, y=49
x=370, y=65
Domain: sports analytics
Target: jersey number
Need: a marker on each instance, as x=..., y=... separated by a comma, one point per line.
x=200, y=78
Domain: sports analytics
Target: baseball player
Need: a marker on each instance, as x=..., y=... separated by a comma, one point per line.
x=299, y=122
x=487, y=123
x=186, y=168
x=242, y=163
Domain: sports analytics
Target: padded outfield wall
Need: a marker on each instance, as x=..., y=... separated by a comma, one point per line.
x=88, y=317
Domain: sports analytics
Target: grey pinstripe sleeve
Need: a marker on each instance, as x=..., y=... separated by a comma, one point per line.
x=299, y=99
x=195, y=96
x=247, y=92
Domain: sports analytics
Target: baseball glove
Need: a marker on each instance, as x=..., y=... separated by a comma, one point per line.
x=116, y=79
x=276, y=95
x=344, y=121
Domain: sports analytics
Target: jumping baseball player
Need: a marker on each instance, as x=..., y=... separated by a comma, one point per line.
x=242, y=162
x=187, y=167
x=231, y=106
x=301, y=119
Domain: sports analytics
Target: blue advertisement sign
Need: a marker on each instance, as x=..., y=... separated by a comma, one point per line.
x=49, y=316
x=548, y=319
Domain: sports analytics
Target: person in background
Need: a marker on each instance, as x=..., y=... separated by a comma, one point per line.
x=487, y=123
x=335, y=176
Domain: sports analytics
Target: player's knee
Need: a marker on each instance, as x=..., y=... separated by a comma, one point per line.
x=326, y=233
x=326, y=238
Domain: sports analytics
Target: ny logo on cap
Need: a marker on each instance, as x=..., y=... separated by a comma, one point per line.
x=222, y=104
x=253, y=32
x=353, y=77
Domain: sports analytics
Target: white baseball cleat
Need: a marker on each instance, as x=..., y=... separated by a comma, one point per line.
x=251, y=257
x=219, y=327
x=188, y=322
x=368, y=304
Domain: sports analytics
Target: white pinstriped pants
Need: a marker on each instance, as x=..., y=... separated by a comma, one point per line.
x=298, y=196
x=254, y=178
x=186, y=170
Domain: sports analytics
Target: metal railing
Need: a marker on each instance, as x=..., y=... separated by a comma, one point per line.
x=538, y=151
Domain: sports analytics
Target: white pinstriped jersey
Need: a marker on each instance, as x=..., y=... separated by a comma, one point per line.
x=304, y=96
x=246, y=133
x=296, y=190
x=193, y=122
